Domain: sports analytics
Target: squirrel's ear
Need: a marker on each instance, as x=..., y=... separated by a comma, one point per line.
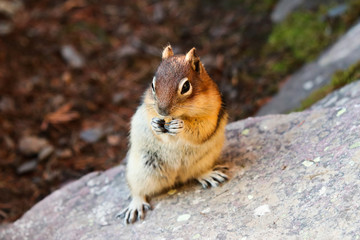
x=167, y=52
x=194, y=60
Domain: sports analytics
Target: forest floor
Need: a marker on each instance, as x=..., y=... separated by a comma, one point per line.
x=72, y=74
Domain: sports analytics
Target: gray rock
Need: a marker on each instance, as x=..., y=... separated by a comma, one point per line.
x=293, y=176
x=337, y=10
x=316, y=74
x=65, y=153
x=127, y=51
x=26, y=167
x=5, y=27
x=92, y=135
x=72, y=56
x=46, y=153
x=347, y=95
x=57, y=101
x=31, y=145
x=7, y=104
x=118, y=98
x=284, y=8
x=159, y=12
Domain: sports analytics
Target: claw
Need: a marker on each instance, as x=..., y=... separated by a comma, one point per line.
x=212, y=178
x=157, y=125
x=147, y=206
x=135, y=211
x=122, y=213
x=175, y=126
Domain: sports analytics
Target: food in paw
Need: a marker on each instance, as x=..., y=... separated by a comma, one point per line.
x=167, y=122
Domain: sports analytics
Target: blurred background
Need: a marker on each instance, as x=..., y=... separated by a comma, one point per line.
x=72, y=73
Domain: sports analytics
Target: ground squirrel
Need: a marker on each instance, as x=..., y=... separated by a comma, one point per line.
x=177, y=133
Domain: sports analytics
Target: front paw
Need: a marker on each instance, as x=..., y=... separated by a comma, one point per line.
x=135, y=211
x=174, y=126
x=157, y=125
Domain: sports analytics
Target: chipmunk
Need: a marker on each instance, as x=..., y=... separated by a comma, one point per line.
x=176, y=134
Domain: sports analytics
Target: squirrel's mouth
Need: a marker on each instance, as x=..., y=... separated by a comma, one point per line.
x=167, y=118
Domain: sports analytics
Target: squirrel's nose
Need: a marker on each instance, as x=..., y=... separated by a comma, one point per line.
x=163, y=111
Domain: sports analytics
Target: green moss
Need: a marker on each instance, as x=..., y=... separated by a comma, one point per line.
x=264, y=5
x=338, y=80
x=279, y=67
x=352, y=13
x=315, y=96
x=304, y=34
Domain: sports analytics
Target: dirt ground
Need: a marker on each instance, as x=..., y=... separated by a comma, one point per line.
x=72, y=74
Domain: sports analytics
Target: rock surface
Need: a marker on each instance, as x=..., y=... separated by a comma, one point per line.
x=347, y=95
x=316, y=74
x=92, y=135
x=72, y=56
x=294, y=176
x=31, y=145
x=284, y=8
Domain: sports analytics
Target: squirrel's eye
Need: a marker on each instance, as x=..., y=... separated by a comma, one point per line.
x=185, y=87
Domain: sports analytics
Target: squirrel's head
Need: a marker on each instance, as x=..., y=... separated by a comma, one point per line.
x=182, y=87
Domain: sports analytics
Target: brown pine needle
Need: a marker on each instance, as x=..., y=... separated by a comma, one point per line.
x=62, y=115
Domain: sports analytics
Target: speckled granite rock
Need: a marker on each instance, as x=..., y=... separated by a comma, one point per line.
x=294, y=176
x=348, y=95
x=316, y=74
